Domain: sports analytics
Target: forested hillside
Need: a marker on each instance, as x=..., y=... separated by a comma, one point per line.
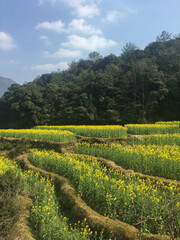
x=136, y=87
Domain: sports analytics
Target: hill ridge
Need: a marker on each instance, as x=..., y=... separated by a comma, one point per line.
x=5, y=83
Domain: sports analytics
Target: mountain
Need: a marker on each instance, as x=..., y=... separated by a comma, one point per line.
x=5, y=83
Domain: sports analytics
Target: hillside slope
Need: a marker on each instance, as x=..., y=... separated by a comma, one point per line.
x=138, y=86
x=5, y=83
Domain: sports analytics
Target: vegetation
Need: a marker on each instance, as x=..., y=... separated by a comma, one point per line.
x=162, y=161
x=160, y=139
x=92, y=131
x=169, y=122
x=138, y=86
x=125, y=205
x=45, y=215
x=53, y=135
x=133, y=200
x=140, y=129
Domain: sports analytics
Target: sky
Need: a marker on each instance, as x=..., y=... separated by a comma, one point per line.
x=41, y=36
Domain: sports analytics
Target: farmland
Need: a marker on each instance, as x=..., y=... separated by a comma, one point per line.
x=100, y=182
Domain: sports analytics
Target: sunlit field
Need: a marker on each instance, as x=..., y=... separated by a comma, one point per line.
x=162, y=161
x=159, y=139
x=45, y=214
x=140, y=188
x=106, y=131
x=119, y=196
x=140, y=129
x=45, y=135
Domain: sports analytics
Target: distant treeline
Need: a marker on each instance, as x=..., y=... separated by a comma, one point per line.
x=136, y=87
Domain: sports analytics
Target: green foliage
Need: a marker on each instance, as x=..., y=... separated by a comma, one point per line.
x=45, y=135
x=145, y=129
x=162, y=161
x=90, y=131
x=139, y=202
x=137, y=87
x=45, y=215
x=165, y=36
x=160, y=139
x=9, y=188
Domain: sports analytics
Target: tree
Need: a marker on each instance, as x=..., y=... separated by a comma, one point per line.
x=146, y=89
x=94, y=56
x=128, y=53
x=73, y=67
x=138, y=86
x=128, y=48
x=177, y=36
x=164, y=36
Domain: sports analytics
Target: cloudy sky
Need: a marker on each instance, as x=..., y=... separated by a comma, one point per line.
x=41, y=36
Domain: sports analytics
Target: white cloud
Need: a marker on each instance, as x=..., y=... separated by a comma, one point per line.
x=87, y=10
x=57, y=26
x=93, y=43
x=41, y=2
x=64, y=53
x=131, y=11
x=78, y=25
x=45, y=39
x=114, y=16
x=6, y=41
x=83, y=8
x=50, y=66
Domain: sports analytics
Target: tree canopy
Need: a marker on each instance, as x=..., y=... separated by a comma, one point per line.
x=136, y=87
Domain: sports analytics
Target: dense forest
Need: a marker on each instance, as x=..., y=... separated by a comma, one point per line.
x=137, y=86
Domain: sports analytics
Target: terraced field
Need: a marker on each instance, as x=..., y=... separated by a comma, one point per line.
x=91, y=182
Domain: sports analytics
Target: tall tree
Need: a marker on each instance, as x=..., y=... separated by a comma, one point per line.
x=164, y=36
x=94, y=56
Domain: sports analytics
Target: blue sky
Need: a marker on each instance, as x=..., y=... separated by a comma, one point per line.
x=41, y=36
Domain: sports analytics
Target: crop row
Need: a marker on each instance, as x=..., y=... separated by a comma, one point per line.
x=6, y=165
x=45, y=215
x=159, y=139
x=116, y=131
x=169, y=122
x=45, y=135
x=92, y=131
x=162, y=161
x=67, y=133
x=141, y=129
x=150, y=207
